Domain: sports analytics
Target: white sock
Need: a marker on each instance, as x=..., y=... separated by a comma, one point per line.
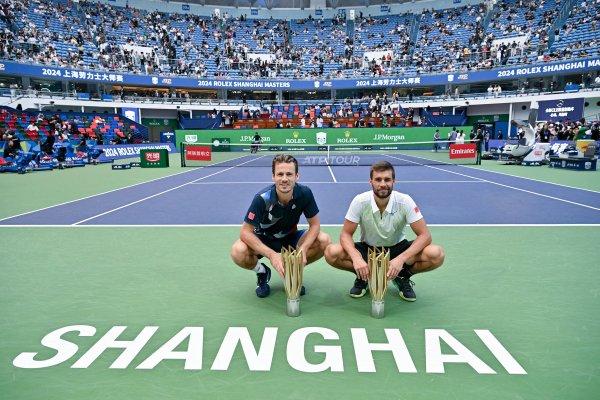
x=259, y=269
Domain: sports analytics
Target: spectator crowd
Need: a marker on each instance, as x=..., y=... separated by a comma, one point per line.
x=101, y=36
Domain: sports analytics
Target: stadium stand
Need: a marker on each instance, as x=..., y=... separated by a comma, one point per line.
x=76, y=125
x=106, y=37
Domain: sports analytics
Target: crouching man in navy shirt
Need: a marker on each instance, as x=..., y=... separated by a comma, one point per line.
x=271, y=224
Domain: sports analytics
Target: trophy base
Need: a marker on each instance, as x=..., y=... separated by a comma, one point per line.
x=377, y=309
x=293, y=308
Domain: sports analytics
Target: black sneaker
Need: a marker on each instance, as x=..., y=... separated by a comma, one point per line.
x=262, y=282
x=405, y=289
x=360, y=288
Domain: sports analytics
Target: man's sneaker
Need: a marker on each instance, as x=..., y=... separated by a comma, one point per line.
x=360, y=288
x=262, y=282
x=405, y=289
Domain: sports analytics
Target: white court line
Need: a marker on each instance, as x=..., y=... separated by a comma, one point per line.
x=111, y=191
x=531, y=179
x=495, y=172
x=158, y=194
x=327, y=182
x=331, y=172
x=94, y=195
x=302, y=225
x=503, y=185
x=523, y=190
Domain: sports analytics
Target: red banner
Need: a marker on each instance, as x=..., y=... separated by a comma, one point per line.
x=199, y=153
x=467, y=150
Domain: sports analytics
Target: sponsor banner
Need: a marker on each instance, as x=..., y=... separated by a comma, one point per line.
x=581, y=164
x=220, y=144
x=89, y=76
x=560, y=110
x=121, y=166
x=198, y=153
x=131, y=113
x=165, y=122
x=151, y=156
x=582, y=145
x=167, y=137
x=157, y=158
x=319, y=137
x=115, y=152
x=467, y=150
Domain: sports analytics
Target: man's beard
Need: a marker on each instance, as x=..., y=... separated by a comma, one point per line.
x=388, y=192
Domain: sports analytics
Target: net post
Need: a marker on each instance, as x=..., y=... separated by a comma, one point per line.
x=181, y=154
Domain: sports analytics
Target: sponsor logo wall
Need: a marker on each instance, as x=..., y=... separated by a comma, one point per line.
x=115, y=152
x=319, y=137
x=89, y=76
x=560, y=110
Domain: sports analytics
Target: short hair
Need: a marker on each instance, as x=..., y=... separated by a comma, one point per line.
x=381, y=166
x=284, y=159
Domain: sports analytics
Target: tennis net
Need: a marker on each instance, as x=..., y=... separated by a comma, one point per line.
x=221, y=154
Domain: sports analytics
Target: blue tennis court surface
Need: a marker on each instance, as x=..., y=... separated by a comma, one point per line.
x=220, y=196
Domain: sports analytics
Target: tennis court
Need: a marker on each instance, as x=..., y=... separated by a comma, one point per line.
x=140, y=259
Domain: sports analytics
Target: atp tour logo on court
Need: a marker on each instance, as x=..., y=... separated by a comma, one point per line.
x=188, y=347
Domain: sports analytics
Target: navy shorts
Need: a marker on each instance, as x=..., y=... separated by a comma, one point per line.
x=278, y=244
x=395, y=250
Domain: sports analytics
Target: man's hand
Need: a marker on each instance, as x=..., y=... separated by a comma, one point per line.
x=277, y=263
x=396, y=265
x=304, y=259
x=361, y=268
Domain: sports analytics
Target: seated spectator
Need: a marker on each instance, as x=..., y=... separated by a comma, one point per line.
x=8, y=135
x=48, y=145
x=11, y=148
x=32, y=129
x=82, y=146
x=384, y=121
x=63, y=136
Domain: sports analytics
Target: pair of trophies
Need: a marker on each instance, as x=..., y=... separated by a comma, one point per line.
x=378, y=260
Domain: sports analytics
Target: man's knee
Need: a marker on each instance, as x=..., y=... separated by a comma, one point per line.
x=437, y=255
x=333, y=253
x=324, y=241
x=239, y=252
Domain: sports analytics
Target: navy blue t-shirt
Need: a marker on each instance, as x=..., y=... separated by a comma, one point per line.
x=274, y=221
